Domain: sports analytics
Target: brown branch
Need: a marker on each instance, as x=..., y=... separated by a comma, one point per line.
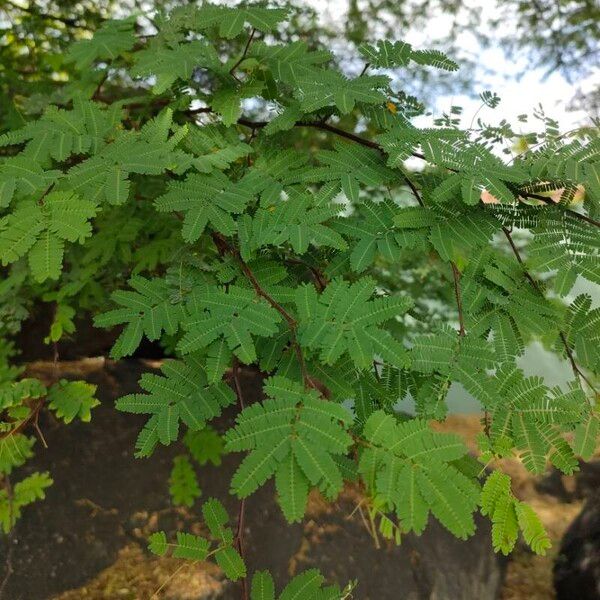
x=46, y=192
x=457, y=294
x=244, y=53
x=38, y=430
x=572, y=213
x=322, y=126
x=225, y=247
x=239, y=535
x=319, y=277
x=579, y=374
x=98, y=89
x=22, y=424
x=375, y=146
x=486, y=423
x=413, y=189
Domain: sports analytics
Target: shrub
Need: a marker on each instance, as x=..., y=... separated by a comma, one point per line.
x=247, y=202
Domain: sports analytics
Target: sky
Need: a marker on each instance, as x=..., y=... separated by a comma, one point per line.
x=518, y=95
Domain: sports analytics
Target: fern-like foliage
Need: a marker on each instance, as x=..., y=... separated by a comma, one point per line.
x=41, y=230
x=415, y=471
x=398, y=54
x=247, y=203
x=147, y=309
x=304, y=586
x=509, y=516
x=181, y=393
x=293, y=435
x=25, y=492
x=300, y=220
x=235, y=314
x=344, y=319
x=183, y=484
x=197, y=548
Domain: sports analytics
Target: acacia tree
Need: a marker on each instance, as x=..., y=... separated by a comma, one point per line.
x=248, y=204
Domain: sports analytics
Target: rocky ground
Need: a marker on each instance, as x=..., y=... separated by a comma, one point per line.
x=529, y=577
x=87, y=539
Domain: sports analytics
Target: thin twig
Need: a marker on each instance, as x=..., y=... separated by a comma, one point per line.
x=172, y=575
x=244, y=53
x=239, y=542
x=414, y=189
x=572, y=213
x=8, y=569
x=486, y=423
x=98, y=89
x=239, y=535
x=225, y=247
x=457, y=294
x=576, y=369
x=318, y=276
x=22, y=424
x=38, y=430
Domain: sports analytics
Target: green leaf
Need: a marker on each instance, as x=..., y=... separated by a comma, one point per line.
x=292, y=486
x=148, y=309
x=293, y=435
x=71, y=399
x=158, y=543
x=183, y=484
x=15, y=449
x=205, y=446
x=304, y=586
x=30, y=489
x=345, y=319
x=46, y=256
x=411, y=469
x=191, y=547
x=262, y=587
x=533, y=531
x=216, y=518
x=112, y=39
x=182, y=393
x=231, y=562
x=234, y=314
x=586, y=437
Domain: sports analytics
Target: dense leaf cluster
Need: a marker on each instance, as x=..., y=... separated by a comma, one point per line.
x=212, y=182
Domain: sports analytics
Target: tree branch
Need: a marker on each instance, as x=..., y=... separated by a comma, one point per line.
x=458, y=296
x=375, y=146
x=226, y=248
x=239, y=535
x=576, y=369
x=28, y=419
x=244, y=53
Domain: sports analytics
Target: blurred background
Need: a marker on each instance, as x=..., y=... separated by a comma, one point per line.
x=526, y=51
